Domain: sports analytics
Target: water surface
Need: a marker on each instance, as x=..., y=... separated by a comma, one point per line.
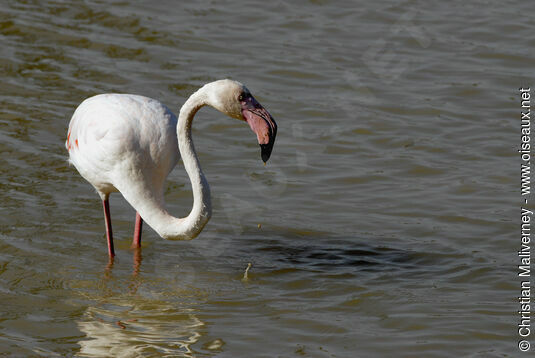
x=387, y=212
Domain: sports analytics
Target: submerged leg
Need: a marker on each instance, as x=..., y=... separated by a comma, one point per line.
x=136, y=243
x=109, y=233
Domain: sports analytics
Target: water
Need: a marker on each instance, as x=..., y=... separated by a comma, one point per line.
x=388, y=213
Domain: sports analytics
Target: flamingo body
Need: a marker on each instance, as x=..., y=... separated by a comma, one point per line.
x=115, y=138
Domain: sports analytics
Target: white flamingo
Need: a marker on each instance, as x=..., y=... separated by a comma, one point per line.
x=130, y=143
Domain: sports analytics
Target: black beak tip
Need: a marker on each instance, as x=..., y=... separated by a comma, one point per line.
x=265, y=151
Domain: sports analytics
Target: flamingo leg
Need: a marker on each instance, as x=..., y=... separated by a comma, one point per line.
x=136, y=242
x=109, y=232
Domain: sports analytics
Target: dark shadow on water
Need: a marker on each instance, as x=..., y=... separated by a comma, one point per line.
x=321, y=252
x=322, y=257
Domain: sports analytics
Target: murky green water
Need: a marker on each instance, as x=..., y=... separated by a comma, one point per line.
x=388, y=210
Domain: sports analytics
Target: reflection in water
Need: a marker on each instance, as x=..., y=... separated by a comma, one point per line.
x=133, y=332
x=136, y=259
x=130, y=325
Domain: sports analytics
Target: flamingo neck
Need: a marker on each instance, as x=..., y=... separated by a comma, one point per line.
x=202, y=204
x=189, y=227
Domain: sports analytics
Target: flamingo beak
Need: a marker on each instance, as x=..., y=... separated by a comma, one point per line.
x=261, y=123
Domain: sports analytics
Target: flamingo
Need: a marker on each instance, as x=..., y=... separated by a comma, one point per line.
x=130, y=143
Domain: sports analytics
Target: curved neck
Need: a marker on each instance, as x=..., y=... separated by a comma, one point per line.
x=192, y=225
x=151, y=206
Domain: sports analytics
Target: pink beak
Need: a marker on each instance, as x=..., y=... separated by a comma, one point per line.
x=261, y=123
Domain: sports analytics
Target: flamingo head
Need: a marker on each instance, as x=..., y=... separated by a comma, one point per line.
x=235, y=100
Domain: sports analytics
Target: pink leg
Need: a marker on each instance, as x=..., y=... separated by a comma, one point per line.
x=109, y=233
x=136, y=243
